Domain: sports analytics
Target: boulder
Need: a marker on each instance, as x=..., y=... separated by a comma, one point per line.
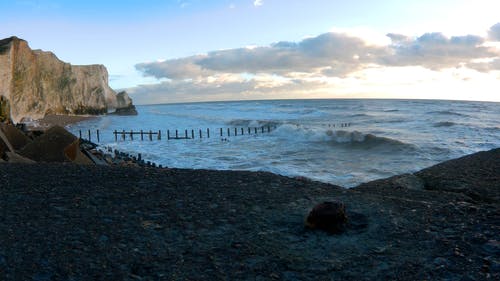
x=73, y=153
x=50, y=147
x=4, y=144
x=13, y=157
x=328, y=216
x=3, y=148
x=16, y=137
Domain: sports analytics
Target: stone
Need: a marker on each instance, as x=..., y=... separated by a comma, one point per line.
x=409, y=181
x=16, y=158
x=76, y=156
x=15, y=136
x=49, y=147
x=328, y=216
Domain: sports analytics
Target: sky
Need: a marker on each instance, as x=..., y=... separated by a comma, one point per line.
x=195, y=50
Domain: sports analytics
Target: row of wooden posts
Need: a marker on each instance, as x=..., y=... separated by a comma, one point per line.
x=191, y=134
x=180, y=135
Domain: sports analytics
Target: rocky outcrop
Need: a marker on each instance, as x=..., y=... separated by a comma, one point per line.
x=124, y=105
x=36, y=83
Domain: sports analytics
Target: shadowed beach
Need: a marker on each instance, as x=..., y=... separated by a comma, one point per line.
x=65, y=221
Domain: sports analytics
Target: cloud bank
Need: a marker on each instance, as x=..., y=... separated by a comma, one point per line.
x=314, y=67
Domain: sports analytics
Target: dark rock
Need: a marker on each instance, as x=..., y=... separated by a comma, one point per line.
x=328, y=216
x=50, y=146
x=73, y=153
x=15, y=136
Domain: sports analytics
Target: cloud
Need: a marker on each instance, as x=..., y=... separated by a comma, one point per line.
x=258, y=3
x=338, y=53
x=435, y=51
x=312, y=65
x=494, y=32
x=183, y=68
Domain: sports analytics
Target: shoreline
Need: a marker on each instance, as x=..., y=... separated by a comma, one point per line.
x=67, y=221
x=58, y=120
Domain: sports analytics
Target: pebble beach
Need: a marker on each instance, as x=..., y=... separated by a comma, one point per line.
x=62, y=221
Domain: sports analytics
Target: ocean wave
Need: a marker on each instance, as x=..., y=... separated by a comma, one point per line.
x=247, y=123
x=368, y=140
x=354, y=138
x=444, y=124
x=448, y=112
x=391, y=110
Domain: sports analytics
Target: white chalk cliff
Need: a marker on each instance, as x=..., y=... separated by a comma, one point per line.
x=34, y=83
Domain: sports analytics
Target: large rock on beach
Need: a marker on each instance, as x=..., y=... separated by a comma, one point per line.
x=328, y=216
x=51, y=146
x=75, y=155
x=16, y=137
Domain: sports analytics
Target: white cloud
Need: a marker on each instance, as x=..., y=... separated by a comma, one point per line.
x=331, y=64
x=258, y=3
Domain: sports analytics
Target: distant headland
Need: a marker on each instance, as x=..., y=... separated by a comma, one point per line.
x=35, y=83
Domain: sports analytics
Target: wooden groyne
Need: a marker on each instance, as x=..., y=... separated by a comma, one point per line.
x=188, y=134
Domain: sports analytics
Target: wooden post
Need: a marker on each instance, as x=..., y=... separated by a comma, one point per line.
x=192, y=133
x=249, y=132
x=131, y=135
x=235, y=131
x=262, y=129
x=255, y=130
x=221, y=132
x=142, y=135
x=200, y=134
x=242, y=131
x=123, y=135
x=168, y=134
x=208, y=133
x=228, y=132
x=80, y=132
x=89, y=136
x=150, y=135
x=98, y=138
x=186, y=133
x=116, y=135
x=159, y=134
x=176, y=134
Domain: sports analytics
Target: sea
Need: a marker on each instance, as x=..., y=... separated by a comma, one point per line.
x=342, y=142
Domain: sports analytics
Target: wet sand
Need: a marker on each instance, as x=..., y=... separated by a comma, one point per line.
x=59, y=120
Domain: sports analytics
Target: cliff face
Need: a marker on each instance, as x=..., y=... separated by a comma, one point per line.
x=36, y=83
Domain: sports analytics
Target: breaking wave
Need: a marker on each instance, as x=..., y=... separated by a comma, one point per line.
x=247, y=123
x=340, y=137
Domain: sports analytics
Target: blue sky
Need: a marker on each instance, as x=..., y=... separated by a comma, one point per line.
x=193, y=50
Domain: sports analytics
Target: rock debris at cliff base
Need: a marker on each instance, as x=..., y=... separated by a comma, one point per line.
x=65, y=221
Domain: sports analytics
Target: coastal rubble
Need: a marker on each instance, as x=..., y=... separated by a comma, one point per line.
x=56, y=144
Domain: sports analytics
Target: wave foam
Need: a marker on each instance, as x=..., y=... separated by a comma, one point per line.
x=339, y=137
x=246, y=123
